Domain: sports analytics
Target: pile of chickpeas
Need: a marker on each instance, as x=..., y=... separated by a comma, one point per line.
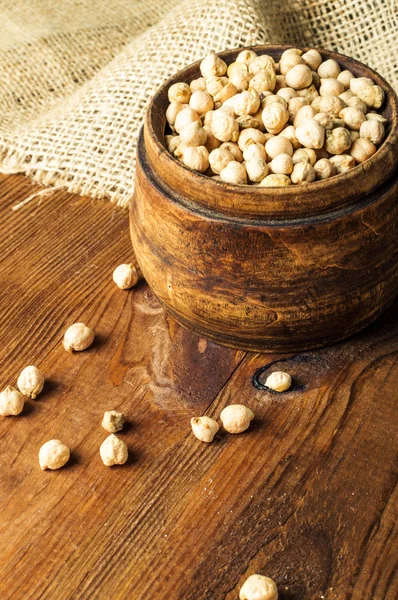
x=256, y=121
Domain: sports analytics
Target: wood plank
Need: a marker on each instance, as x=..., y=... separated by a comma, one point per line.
x=307, y=496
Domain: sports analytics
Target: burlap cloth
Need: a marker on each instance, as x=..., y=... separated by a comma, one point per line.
x=75, y=76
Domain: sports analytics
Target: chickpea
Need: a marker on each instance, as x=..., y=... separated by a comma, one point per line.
x=275, y=117
x=342, y=162
x=299, y=77
x=332, y=105
x=256, y=169
x=331, y=87
x=312, y=58
x=311, y=134
x=282, y=164
x=219, y=158
x=179, y=92
x=362, y=149
x=329, y=68
x=201, y=102
x=352, y=117
x=373, y=131
x=250, y=134
x=275, y=180
x=304, y=154
x=234, y=173
x=278, y=145
x=345, y=77
x=338, y=140
x=303, y=172
x=304, y=114
x=324, y=168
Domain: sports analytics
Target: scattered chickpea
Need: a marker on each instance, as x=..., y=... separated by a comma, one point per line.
x=113, y=451
x=373, y=131
x=236, y=418
x=53, y=455
x=258, y=587
x=303, y=172
x=30, y=382
x=113, y=421
x=125, y=276
x=324, y=169
x=78, y=337
x=234, y=172
x=362, y=149
x=11, y=402
x=204, y=428
x=275, y=180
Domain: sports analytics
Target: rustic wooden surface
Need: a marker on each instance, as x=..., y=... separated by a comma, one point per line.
x=307, y=496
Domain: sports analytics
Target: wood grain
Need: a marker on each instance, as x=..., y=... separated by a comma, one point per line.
x=267, y=269
x=307, y=496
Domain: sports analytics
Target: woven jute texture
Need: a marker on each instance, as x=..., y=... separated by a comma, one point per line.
x=75, y=77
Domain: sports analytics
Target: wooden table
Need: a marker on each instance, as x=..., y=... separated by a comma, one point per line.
x=308, y=496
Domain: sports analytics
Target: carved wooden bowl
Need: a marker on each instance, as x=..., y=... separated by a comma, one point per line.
x=268, y=269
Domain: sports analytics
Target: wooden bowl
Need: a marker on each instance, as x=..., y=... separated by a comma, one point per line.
x=268, y=269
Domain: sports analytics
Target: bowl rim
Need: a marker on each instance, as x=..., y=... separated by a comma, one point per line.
x=361, y=179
